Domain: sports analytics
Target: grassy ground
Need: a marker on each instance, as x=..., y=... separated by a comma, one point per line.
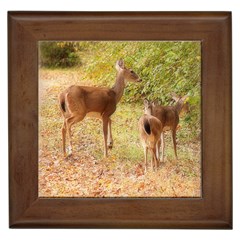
x=86, y=173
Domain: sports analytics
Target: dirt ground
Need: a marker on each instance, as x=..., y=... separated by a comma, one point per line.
x=86, y=173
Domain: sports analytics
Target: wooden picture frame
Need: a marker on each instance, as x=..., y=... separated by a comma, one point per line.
x=213, y=210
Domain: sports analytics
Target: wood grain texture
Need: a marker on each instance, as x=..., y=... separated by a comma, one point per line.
x=213, y=210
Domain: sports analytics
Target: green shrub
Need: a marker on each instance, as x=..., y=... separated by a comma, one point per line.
x=59, y=54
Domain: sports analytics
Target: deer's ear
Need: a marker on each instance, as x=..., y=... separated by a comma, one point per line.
x=175, y=97
x=146, y=103
x=119, y=64
x=155, y=103
x=185, y=98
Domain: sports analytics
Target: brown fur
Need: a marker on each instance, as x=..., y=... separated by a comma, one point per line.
x=150, y=129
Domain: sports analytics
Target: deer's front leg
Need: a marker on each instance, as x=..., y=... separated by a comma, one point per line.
x=158, y=145
x=174, y=142
x=105, y=134
x=110, y=140
x=154, y=159
x=162, y=146
x=64, y=138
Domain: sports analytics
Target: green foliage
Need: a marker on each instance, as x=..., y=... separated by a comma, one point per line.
x=59, y=54
x=165, y=67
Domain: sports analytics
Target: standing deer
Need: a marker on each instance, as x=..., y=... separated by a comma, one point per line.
x=150, y=129
x=169, y=117
x=77, y=102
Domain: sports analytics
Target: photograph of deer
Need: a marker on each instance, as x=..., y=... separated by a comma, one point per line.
x=77, y=102
x=97, y=136
x=169, y=117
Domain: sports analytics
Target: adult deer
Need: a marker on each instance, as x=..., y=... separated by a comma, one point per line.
x=150, y=129
x=169, y=117
x=77, y=102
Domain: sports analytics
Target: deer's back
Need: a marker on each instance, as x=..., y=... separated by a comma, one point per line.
x=167, y=115
x=155, y=126
x=93, y=99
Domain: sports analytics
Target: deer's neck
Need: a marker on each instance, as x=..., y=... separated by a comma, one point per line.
x=119, y=86
x=178, y=107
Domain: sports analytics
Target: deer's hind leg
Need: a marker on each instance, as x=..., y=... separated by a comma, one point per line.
x=69, y=122
x=154, y=158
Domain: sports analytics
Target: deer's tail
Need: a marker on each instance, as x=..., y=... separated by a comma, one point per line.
x=147, y=126
x=62, y=102
x=63, y=106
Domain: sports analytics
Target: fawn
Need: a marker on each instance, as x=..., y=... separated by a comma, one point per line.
x=150, y=129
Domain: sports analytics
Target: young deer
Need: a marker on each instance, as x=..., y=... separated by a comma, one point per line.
x=150, y=129
x=77, y=102
x=169, y=117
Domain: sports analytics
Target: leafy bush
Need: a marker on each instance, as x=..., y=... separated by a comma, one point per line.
x=59, y=54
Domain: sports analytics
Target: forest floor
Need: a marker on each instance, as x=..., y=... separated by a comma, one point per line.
x=86, y=173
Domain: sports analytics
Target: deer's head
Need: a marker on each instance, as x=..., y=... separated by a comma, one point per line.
x=147, y=107
x=182, y=102
x=128, y=74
